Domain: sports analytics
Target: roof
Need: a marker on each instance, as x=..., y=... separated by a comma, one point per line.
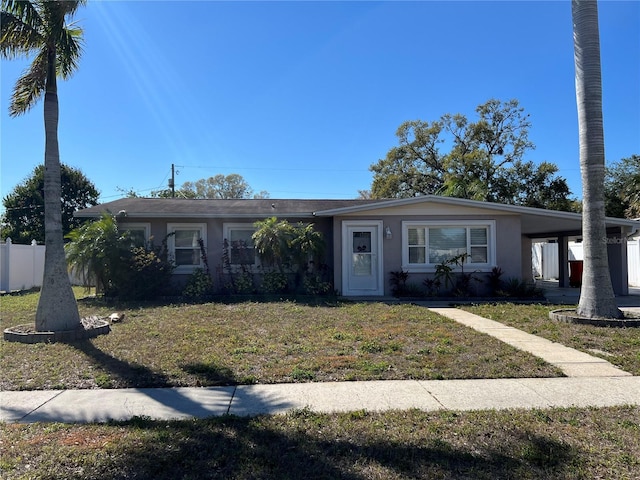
x=535, y=222
x=217, y=208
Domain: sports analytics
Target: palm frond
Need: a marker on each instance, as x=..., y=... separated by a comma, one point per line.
x=17, y=38
x=64, y=8
x=27, y=12
x=68, y=51
x=30, y=86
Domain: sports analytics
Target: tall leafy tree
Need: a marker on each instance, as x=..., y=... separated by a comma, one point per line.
x=596, y=296
x=23, y=219
x=38, y=29
x=622, y=188
x=485, y=161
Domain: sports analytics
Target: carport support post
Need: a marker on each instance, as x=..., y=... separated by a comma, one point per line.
x=563, y=262
x=618, y=262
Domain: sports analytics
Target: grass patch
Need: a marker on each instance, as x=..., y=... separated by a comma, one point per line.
x=170, y=345
x=537, y=444
x=619, y=346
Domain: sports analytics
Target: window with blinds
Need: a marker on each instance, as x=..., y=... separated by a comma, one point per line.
x=184, y=245
x=239, y=247
x=427, y=244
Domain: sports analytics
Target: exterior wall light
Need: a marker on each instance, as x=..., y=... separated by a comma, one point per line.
x=387, y=233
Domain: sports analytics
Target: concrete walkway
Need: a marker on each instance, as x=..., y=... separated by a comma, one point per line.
x=590, y=381
x=573, y=363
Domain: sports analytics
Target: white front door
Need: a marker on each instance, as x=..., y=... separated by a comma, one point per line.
x=362, y=258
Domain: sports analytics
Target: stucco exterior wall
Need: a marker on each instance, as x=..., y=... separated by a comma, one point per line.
x=508, y=245
x=215, y=237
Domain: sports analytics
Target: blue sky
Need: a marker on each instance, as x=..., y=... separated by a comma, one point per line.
x=300, y=98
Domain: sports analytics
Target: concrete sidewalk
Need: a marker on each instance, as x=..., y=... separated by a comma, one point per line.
x=590, y=381
x=78, y=406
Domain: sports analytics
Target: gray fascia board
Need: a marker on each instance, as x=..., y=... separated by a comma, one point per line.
x=197, y=215
x=471, y=203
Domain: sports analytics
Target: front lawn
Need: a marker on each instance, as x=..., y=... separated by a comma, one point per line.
x=250, y=342
x=546, y=444
x=619, y=346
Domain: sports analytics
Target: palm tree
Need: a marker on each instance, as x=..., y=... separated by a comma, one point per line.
x=271, y=240
x=38, y=28
x=596, y=297
x=96, y=251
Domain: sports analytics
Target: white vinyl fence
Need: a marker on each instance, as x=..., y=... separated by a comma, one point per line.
x=633, y=255
x=545, y=259
x=21, y=266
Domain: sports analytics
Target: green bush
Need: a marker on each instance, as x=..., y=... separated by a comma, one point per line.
x=516, y=287
x=315, y=284
x=145, y=274
x=198, y=285
x=274, y=282
x=109, y=259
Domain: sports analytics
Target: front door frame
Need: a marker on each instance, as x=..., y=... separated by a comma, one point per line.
x=348, y=226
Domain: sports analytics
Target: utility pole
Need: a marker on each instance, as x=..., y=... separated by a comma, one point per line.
x=172, y=181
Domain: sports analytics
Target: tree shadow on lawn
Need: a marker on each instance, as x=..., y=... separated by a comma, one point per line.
x=130, y=375
x=240, y=447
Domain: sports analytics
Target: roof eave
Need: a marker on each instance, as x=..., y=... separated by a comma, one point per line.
x=194, y=215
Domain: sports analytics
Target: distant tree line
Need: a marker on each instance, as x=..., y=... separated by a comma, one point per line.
x=217, y=186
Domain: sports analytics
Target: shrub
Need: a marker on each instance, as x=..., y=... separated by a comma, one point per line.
x=516, y=287
x=145, y=274
x=398, y=282
x=314, y=284
x=495, y=280
x=118, y=267
x=198, y=285
x=274, y=282
x=433, y=286
x=243, y=283
x=288, y=248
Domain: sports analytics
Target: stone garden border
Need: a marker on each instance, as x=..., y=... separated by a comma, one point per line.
x=91, y=327
x=569, y=315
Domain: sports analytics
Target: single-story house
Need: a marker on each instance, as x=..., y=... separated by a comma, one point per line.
x=368, y=239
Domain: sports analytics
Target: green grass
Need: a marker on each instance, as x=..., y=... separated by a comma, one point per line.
x=620, y=346
x=514, y=444
x=238, y=343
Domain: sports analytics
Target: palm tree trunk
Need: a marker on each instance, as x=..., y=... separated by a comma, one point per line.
x=57, y=308
x=596, y=297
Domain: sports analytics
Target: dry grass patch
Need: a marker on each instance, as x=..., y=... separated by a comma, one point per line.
x=538, y=444
x=249, y=342
x=620, y=346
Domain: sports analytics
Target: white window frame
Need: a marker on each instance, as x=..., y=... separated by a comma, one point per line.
x=226, y=235
x=128, y=226
x=171, y=244
x=490, y=225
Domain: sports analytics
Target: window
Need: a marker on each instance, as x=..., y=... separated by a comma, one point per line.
x=426, y=244
x=184, y=245
x=139, y=233
x=238, y=240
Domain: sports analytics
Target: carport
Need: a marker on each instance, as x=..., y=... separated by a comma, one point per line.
x=565, y=227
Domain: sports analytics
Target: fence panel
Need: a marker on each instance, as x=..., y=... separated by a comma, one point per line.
x=633, y=256
x=545, y=259
x=21, y=266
